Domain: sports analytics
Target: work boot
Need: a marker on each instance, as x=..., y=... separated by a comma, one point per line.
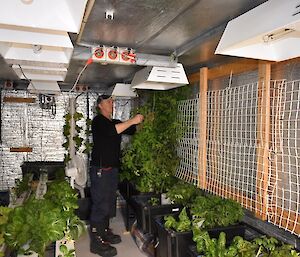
x=101, y=247
x=110, y=237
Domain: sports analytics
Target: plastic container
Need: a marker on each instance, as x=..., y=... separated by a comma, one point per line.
x=39, y=167
x=139, y=204
x=176, y=244
x=192, y=251
x=152, y=211
x=127, y=189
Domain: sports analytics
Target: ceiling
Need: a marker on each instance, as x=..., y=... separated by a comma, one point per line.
x=189, y=30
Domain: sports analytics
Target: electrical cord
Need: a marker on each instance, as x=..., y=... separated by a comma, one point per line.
x=89, y=61
x=30, y=82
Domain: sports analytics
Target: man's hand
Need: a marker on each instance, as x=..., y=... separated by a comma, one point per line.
x=137, y=119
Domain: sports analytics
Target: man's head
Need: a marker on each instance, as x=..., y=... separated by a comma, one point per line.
x=105, y=105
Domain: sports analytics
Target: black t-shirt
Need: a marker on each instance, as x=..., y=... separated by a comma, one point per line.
x=106, y=142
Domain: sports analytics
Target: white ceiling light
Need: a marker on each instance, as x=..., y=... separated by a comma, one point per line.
x=123, y=90
x=19, y=44
x=13, y=51
x=63, y=15
x=270, y=31
x=43, y=87
x=27, y=1
x=40, y=73
x=160, y=78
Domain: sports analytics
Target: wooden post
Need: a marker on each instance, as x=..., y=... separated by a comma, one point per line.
x=202, y=127
x=263, y=139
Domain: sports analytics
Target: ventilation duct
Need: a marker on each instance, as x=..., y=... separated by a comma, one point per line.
x=160, y=78
x=270, y=31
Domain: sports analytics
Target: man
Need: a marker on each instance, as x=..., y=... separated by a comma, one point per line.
x=104, y=173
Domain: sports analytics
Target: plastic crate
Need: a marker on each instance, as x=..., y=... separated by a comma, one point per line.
x=4, y=198
x=152, y=211
x=127, y=189
x=84, y=208
x=192, y=251
x=139, y=204
x=39, y=167
x=176, y=244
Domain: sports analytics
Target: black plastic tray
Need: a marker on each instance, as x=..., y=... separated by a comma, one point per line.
x=176, y=244
x=192, y=251
x=127, y=189
x=139, y=204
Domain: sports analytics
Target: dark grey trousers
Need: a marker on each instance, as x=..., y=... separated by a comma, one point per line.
x=103, y=193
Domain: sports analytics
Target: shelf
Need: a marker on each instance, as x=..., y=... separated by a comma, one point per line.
x=9, y=99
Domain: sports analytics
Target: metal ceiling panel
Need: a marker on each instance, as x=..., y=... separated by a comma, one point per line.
x=99, y=75
x=192, y=28
x=198, y=20
x=134, y=23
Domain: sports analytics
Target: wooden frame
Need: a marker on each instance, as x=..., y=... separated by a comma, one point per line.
x=263, y=133
x=202, y=127
x=263, y=139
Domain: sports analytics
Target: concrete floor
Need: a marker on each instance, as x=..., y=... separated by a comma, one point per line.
x=127, y=248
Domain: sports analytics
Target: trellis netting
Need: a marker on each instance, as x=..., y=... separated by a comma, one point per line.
x=262, y=175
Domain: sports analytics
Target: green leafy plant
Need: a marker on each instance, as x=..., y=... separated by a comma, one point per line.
x=153, y=201
x=183, y=224
x=151, y=160
x=78, y=140
x=216, y=211
x=208, y=211
x=22, y=185
x=65, y=251
x=183, y=193
x=40, y=222
x=259, y=247
x=88, y=146
x=4, y=212
x=271, y=247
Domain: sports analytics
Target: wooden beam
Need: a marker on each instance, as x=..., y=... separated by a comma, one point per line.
x=20, y=149
x=263, y=139
x=202, y=127
x=238, y=67
x=10, y=99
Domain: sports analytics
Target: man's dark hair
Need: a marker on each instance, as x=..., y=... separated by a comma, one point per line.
x=102, y=97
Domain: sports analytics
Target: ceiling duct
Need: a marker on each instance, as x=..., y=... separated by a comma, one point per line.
x=270, y=31
x=160, y=78
x=44, y=87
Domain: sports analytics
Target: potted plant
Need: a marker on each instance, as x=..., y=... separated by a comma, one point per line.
x=151, y=160
x=39, y=222
x=209, y=212
x=238, y=247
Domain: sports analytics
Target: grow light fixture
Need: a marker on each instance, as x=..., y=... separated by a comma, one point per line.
x=160, y=78
x=123, y=90
x=44, y=87
x=270, y=31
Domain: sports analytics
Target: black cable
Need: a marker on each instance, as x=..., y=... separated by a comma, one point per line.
x=53, y=108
